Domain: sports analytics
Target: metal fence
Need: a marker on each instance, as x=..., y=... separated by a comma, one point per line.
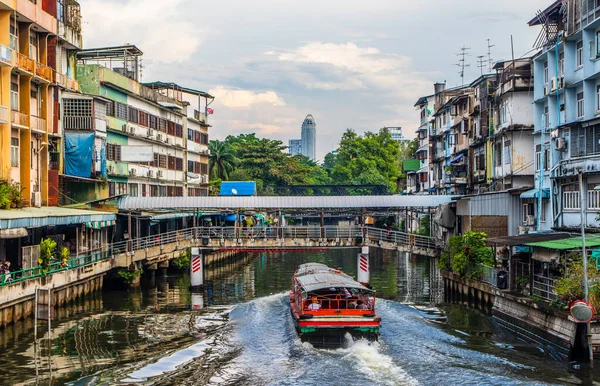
x=324, y=233
x=544, y=287
x=490, y=275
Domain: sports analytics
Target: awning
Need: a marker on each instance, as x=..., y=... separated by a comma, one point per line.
x=99, y=224
x=170, y=216
x=569, y=243
x=457, y=158
x=13, y=233
x=534, y=193
x=49, y=216
x=170, y=104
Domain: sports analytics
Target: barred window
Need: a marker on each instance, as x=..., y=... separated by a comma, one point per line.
x=113, y=152
x=204, y=139
x=144, y=118
x=153, y=190
x=156, y=160
x=110, y=109
x=153, y=121
x=121, y=111
x=77, y=107
x=190, y=167
x=163, y=160
x=171, y=127
x=178, y=163
x=171, y=160
x=133, y=114
x=178, y=130
x=203, y=168
x=162, y=124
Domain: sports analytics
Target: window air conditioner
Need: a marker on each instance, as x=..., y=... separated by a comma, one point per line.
x=159, y=137
x=560, y=144
x=132, y=172
x=159, y=173
x=151, y=173
x=553, y=84
x=110, y=169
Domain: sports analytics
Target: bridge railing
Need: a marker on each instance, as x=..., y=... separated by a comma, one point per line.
x=258, y=232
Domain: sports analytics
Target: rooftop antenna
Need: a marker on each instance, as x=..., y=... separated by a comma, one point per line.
x=489, y=54
x=461, y=63
x=481, y=63
x=141, y=69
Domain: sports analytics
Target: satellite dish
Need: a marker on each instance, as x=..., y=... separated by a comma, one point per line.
x=234, y=191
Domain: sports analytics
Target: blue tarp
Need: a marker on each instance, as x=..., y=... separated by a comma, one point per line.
x=238, y=188
x=457, y=158
x=79, y=154
x=103, y=161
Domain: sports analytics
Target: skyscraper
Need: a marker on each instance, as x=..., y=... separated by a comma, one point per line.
x=295, y=146
x=309, y=137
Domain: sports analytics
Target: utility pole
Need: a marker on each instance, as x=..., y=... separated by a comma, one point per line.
x=489, y=54
x=480, y=63
x=582, y=206
x=464, y=52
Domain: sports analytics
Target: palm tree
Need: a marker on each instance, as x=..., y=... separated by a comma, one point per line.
x=222, y=159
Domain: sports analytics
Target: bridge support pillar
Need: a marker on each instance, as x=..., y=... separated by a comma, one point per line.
x=196, y=270
x=363, y=266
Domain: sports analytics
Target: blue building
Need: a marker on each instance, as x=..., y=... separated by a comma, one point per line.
x=566, y=116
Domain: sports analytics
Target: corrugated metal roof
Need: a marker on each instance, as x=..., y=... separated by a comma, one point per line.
x=238, y=188
x=566, y=244
x=528, y=238
x=39, y=217
x=281, y=202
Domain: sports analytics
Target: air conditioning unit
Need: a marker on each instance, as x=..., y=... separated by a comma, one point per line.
x=37, y=199
x=159, y=173
x=159, y=137
x=110, y=169
x=151, y=173
x=132, y=172
x=124, y=128
x=560, y=144
x=530, y=220
x=168, y=141
x=150, y=133
x=132, y=130
x=553, y=84
x=561, y=82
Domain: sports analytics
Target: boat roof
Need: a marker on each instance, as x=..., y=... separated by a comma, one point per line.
x=316, y=276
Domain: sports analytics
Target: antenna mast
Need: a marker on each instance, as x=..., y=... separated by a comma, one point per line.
x=481, y=62
x=489, y=54
x=461, y=63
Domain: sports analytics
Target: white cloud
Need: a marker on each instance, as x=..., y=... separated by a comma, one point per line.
x=155, y=26
x=237, y=98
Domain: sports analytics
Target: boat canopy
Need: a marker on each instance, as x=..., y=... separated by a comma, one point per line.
x=315, y=276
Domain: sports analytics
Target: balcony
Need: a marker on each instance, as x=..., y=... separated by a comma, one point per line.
x=66, y=82
x=3, y=114
x=25, y=63
x=199, y=116
x=74, y=122
x=19, y=119
x=38, y=124
x=6, y=56
x=43, y=71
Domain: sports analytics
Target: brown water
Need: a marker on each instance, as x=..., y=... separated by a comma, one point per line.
x=244, y=335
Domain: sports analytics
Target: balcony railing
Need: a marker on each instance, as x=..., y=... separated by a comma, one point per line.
x=593, y=201
x=4, y=114
x=66, y=82
x=25, y=63
x=571, y=200
x=199, y=116
x=19, y=118
x=72, y=84
x=43, y=71
x=6, y=55
x=37, y=123
x=75, y=122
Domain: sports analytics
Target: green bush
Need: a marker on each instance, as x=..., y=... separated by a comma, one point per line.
x=183, y=261
x=129, y=276
x=465, y=253
x=47, y=250
x=10, y=194
x=569, y=287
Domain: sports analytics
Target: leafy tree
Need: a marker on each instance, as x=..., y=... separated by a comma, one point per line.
x=47, y=250
x=371, y=158
x=465, y=254
x=222, y=159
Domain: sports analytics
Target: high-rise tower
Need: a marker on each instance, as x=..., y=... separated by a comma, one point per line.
x=309, y=137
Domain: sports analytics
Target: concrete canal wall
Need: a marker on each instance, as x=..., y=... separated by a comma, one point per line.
x=519, y=314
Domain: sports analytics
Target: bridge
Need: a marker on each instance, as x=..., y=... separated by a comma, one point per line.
x=83, y=273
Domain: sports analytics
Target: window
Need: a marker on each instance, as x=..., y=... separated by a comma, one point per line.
x=596, y=51
x=507, y=152
x=543, y=214
x=162, y=191
x=162, y=161
x=598, y=98
x=121, y=187
x=178, y=163
x=190, y=135
x=14, y=152
x=110, y=109
x=561, y=64
x=133, y=190
x=77, y=114
x=584, y=141
x=498, y=154
x=144, y=192
x=14, y=92
x=190, y=167
x=538, y=157
x=527, y=211
x=571, y=197
x=113, y=152
x=133, y=114
x=545, y=72
x=121, y=111
x=579, y=54
x=580, y=105
x=546, y=122
x=153, y=121
x=153, y=190
x=144, y=118
x=162, y=124
x=171, y=161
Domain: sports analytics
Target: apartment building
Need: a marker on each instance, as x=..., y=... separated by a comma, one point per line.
x=425, y=106
x=566, y=108
x=124, y=137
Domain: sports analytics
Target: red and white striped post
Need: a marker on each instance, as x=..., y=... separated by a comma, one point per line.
x=196, y=269
x=363, y=266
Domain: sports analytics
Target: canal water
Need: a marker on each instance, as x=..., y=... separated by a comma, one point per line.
x=244, y=335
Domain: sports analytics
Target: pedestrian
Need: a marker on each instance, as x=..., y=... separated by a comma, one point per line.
x=6, y=271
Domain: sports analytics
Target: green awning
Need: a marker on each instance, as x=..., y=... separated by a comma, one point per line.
x=99, y=224
x=568, y=243
x=535, y=193
x=170, y=216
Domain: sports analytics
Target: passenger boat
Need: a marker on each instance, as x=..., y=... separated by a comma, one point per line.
x=326, y=304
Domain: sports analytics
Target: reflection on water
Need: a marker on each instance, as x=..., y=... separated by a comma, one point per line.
x=243, y=333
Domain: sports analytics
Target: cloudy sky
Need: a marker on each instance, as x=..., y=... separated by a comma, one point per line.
x=351, y=64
